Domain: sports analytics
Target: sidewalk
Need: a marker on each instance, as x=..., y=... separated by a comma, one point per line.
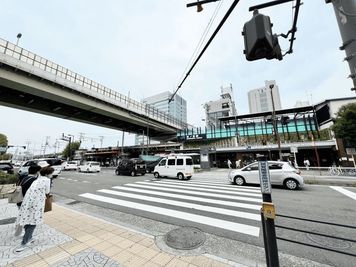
x=71, y=238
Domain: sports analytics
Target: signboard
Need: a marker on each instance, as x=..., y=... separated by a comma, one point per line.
x=265, y=180
x=294, y=149
x=196, y=137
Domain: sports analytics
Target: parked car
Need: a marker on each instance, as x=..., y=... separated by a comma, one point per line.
x=70, y=166
x=53, y=162
x=281, y=173
x=131, y=166
x=90, y=166
x=179, y=166
x=6, y=167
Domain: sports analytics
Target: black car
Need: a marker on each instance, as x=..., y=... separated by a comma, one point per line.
x=131, y=167
x=6, y=167
x=150, y=165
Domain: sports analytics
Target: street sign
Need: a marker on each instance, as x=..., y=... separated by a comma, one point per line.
x=265, y=180
x=294, y=149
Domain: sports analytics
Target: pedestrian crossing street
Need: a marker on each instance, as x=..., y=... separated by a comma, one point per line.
x=212, y=202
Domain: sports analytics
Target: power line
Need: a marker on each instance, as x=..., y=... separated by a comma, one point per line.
x=228, y=13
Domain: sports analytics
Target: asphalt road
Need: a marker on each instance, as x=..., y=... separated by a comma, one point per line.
x=209, y=202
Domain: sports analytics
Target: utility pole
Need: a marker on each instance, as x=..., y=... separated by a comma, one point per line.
x=122, y=143
x=101, y=141
x=68, y=138
x=275, y=127
x=148, y=136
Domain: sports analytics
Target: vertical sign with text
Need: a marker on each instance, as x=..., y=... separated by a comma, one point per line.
x=265, y=180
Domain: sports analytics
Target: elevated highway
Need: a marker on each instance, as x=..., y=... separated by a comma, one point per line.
x=33, y=83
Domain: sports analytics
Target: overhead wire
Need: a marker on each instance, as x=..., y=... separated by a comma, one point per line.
x=203, y=37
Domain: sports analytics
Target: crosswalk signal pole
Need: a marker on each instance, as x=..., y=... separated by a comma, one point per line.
x=268, y=214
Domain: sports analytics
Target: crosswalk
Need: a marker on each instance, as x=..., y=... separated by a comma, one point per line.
x=212, y=202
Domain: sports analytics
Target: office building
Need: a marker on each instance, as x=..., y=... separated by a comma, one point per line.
x=177, y=108
x=223, y=107
x=260, y=99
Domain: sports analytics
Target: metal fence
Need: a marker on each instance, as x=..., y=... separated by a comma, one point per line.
x=61, y=75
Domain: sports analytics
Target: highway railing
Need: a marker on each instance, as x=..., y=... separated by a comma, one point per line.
x=20, y=58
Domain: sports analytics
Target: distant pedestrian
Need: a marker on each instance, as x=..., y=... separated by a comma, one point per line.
x=238, y=164
x=32, y=208
x=307, y=164
x=229, y=163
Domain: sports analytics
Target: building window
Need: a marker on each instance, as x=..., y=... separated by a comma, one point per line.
x=225, y=105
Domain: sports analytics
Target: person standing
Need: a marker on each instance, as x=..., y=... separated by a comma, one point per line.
x=32, y=207
x=26, y=181
x=238, y=164
x=306, y=164
x=229, y=163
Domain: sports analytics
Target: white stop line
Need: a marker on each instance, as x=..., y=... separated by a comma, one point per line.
x=344, y=191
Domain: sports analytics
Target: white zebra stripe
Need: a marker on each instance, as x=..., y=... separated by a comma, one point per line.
x=196, y=193
x=246, y=215
x=199, y=199
x=258, y=195
x=235, y=227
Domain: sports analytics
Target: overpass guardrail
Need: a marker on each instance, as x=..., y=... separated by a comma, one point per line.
x=13, y=55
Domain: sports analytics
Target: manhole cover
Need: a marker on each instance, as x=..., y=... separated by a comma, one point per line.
x=185, y=238
x=329, y=242
x=8, y=221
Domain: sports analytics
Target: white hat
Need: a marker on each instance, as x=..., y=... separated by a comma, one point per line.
x=42, y=164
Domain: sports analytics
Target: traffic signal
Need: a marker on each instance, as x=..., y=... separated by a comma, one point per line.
x=284, y=120
x=259, y=40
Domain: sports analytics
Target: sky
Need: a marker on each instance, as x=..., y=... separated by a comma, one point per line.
x=142, y=48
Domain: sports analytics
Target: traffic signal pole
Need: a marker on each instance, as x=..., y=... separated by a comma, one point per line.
x=268, y=214
x=345, y=12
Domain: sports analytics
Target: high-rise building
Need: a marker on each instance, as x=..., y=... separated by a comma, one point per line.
x=176, y=108
x=223, y=107
x=260, y=100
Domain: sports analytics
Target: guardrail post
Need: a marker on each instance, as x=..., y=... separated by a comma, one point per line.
x=268, y=214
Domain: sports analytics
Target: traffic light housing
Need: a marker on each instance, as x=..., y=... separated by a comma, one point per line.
x=259, y=40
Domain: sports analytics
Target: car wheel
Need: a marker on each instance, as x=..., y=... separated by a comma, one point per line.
x=87, y=170
x=133, y=173
x=291, y=184
x=180, y=176
x=239, y=180
x=156, y=175
x=143, y=174
x=188, y=178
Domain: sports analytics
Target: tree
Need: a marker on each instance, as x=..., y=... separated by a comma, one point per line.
x=345, y=124
x=68, y=153
x=3, y=140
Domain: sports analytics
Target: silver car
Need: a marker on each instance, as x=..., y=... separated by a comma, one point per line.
x=281, y=173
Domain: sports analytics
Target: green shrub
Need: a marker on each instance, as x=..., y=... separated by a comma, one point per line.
x=8, y=178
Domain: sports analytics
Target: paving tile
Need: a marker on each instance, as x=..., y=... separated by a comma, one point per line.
x=112, y=251
x=147, y=242
x=56, y=258
x=119, y=231
x=77, y=248
x=116, y=240
x=136, y=248
x=215, y=263
x=50, y=252
x=201, y=261
x=70, y=244
x=135, y=261
x=102, y=246
x=162, y=258
x=127, y=234
x=151, y=264
x=27, y=261
x=41, y=263
x=125, y=244
x=136, y=238
x=123, y=256
x=148, y=253
x=108, y=235
x=85, y=237
x=177, y=263
x=93, y=241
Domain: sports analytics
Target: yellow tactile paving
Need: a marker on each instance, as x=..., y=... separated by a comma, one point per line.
x=27, y=261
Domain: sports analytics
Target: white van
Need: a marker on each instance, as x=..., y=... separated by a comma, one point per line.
x=90, y=166
x=175, y=166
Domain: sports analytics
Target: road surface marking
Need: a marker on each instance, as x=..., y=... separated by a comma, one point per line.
x=235, y=227
x=246, y=215
x=225, y=188
x=344, y=191
x=258, y=195
x=227, y=184
x=196, y=193
x=199, y=199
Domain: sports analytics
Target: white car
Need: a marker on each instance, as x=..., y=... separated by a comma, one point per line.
x=281, y=173
x=54, y=163
x=90, y=166
x=70, y=165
